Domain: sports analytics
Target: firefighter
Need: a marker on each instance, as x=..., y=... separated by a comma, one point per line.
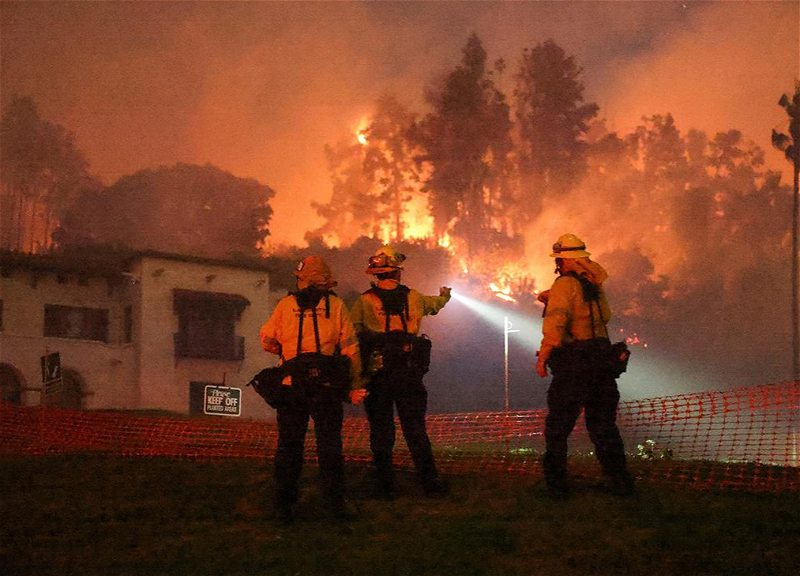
x=575, y=346
x=312, y=333
x=387, y=320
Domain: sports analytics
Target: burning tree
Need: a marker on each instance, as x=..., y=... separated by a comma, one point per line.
x=467, y=146
x=376, y=182
x=352, y=210
x=390, y=167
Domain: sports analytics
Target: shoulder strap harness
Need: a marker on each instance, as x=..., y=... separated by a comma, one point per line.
x=394, y=302
x=308, y=299
x=591, y=294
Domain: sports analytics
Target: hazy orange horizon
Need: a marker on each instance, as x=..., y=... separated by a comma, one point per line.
x=258, y=89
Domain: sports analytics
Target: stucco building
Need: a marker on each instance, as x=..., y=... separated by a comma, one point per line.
x=134, y=330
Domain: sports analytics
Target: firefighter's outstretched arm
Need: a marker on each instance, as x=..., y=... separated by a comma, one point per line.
x=432, y=304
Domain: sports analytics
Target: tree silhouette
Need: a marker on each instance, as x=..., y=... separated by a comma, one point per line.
x=552, y=122
x=188, y=209
x=352, y=210
x=467, y=142
x=389, y=164
x=790, y=146
x=42, y=173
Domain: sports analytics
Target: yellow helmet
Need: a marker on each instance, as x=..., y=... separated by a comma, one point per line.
x=315, y=271
x=386, y=259
x=569, y=246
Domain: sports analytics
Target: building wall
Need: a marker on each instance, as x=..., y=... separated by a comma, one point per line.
x=145, y=373
x=105, y=369
x=164, y=378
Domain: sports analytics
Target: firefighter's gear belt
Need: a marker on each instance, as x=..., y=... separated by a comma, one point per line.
x=597, y=353
x=311, y=373
x=603, y=356
x=393, y=351
x=314, y=373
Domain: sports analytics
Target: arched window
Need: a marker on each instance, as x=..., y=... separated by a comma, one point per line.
x=72, y=390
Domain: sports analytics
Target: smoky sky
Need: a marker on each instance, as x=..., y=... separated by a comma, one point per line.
x=258, y=88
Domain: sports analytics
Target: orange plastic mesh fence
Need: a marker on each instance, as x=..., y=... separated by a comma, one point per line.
x=745, y=438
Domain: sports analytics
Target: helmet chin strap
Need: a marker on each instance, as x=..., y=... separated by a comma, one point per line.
x=393, y=275
x=564, y=267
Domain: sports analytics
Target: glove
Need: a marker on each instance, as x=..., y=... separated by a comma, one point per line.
x=356, y=396
x=541, y=368
x=543, y=297
x=445, y=291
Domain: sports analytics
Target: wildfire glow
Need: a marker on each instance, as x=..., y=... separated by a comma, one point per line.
x=417, y=222
x=502, y=293
x=360, y=130
x=447, y=242
x=633, y=339
x=505, y=297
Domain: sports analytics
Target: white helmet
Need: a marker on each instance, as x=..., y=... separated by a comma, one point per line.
x=569, y=246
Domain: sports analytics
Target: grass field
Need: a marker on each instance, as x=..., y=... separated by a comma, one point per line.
x=88, y=515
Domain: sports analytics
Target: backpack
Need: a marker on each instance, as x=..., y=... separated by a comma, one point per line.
x=393, y=350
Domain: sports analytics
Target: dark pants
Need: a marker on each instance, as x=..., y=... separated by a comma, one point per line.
x=406, y=391
x=580, y=382
x=294, y=410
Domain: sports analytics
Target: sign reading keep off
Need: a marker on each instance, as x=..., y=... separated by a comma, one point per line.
x=222, y=401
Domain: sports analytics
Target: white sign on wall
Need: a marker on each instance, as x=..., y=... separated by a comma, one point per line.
x=51, y=374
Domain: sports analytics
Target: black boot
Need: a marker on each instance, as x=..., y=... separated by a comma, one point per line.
x=435, y=487
x=285, y=511
x=385, y=488
x=286, y=505
x=622, y=485
x=342, y=509
x=555, y=476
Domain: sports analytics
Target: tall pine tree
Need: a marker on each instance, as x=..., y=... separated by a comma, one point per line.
x=43, y=172
x=553, y=121
x=467, y=142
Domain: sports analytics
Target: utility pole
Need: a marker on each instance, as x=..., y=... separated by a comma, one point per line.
x=790, y=146
x=506, y=425
x=508, y=331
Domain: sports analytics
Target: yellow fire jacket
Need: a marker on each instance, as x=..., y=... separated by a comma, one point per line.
x=279, y=333
x=368, y=313
x=569, y=317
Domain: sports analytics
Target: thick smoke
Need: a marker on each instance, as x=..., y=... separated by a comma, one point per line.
x=259, y=88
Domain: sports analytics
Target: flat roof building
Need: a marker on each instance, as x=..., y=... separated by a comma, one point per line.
x=134, y=330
